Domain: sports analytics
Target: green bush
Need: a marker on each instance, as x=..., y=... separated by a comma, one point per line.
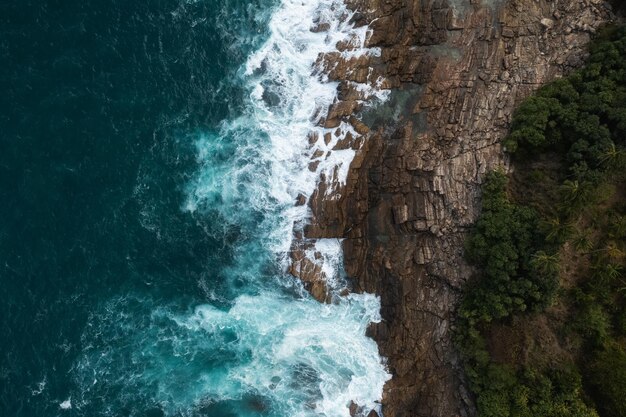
x=607, y=377
x=579, y=124
x=530, y=393
x=503, y=244
x=582, y=116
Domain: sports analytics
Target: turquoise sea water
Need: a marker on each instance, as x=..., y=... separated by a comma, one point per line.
x=150, y=155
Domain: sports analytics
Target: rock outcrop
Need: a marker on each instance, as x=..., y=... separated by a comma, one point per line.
x=457, y=69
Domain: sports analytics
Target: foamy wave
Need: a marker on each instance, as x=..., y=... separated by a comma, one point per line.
x=258, y=348
x=283, y=356
x=253, y=171
x=287, y=339
x=274, y=159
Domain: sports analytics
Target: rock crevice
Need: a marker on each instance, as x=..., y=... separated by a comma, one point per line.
x=456, y=70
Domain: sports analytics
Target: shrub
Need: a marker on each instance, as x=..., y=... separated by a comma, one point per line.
x=504, y=245
x=582, y=116
x=607, y=377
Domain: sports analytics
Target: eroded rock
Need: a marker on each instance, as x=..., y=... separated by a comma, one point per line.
x=413, y=188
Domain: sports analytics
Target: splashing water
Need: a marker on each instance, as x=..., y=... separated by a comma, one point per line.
x=262, y=347
x=258, y=163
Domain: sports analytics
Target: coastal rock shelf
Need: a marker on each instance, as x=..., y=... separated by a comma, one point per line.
x=456, y=71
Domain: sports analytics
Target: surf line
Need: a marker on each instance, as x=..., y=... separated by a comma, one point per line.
x=314, y=137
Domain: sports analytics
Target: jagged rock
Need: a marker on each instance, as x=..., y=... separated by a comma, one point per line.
x=354, y=408
x=413, y=188
x=310, y=273
x=332, y=123
x=300, y=200
x=359, y=126
x=342, y=109
x=320, y=27
x=401, y=214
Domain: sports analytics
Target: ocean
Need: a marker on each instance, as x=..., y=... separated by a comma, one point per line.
x=151, y=154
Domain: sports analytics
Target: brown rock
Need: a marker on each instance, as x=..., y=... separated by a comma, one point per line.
x=320, y=27
x=413, y=188
x=344, y=143
x=342, y=109
x=353, y=409
x=401, y=214
x=300, y=200
x=359, y=126
x=332, y=123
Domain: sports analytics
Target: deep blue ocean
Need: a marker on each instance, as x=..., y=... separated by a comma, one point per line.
x=147, y=180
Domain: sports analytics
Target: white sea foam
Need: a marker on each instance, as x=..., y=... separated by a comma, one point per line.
x=331, y=260
x=255, y=168
x=286, y=338
x=41, y=386
x=297, y=357
x=66, y=405
x=263, y=346
x=288, y=97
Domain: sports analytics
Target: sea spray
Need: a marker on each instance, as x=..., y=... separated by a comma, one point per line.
x=270, y=167
x=267, y=354
x=269, y=147
x=258, y=347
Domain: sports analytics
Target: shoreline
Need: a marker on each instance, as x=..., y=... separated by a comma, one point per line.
x=413, y=188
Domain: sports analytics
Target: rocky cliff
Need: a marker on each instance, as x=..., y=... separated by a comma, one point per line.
x=456, y=70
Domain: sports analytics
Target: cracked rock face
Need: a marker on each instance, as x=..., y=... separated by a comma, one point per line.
x=457, y=70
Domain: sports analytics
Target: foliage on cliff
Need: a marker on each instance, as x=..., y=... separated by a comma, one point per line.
x=583, y=116
x=505, y=246
x=561, y=219
x=517, y=275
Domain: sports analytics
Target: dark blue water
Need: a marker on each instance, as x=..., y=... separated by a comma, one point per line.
x=99, y=101
x=117, y=297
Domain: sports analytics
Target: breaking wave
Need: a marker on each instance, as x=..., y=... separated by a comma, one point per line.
x=262, y=346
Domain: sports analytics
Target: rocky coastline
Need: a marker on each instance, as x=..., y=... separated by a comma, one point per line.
x=456, y=70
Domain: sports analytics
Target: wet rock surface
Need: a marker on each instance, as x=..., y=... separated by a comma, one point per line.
x=457, y=70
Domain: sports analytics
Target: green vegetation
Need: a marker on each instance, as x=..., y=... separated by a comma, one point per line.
x=518, y=276
x=582, y=117
x=607, y=378
x=542, y=327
